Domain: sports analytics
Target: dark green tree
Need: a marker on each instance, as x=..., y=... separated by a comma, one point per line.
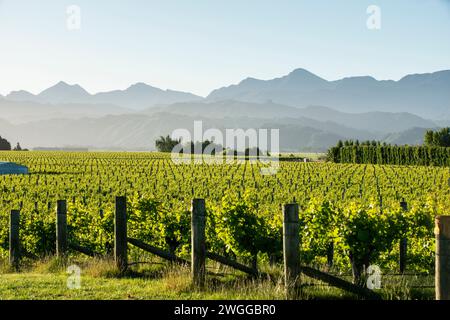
x=439, y=138
x=166, y=144
x=4, y=144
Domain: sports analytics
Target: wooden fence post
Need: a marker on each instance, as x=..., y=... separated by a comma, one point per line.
x=120, y=234
x=442, y=232
x=291, y=249
x=330, y=255
x=198, y=243
x=61, y=228
x=14, y=241
x=403, y=244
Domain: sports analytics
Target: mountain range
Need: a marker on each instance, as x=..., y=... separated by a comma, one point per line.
x=427, y=95
x=137, y=96
x=136, y=131
x=311, y=112
x=376, y=122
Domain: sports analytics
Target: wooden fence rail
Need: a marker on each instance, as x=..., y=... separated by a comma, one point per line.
x=158, y=252
x=83, y=250
x=231, y=263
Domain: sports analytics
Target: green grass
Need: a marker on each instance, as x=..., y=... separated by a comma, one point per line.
x=47, y=280
x=54, y=286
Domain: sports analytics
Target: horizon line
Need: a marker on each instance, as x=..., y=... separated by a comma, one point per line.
x=225, y=86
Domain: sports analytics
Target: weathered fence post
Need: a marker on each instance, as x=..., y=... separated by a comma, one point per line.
x=14, y=241
x=291, y=249
x=403, y=244
x=61, y=228
x=120, y=234
x=198, y=251
x=330, y=255
x=442, y=232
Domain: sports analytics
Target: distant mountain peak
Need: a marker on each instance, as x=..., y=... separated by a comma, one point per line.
x=20, y=95
x=139, y=85
x=250, y=82
x=301, y=72
x=20, y=92
x=63, y=92
x=62, y=86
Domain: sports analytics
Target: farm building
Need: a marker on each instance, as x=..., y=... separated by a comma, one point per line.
x=12, y=168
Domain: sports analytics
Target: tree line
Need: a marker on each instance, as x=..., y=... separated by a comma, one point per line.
x=434, y=152
x=5, y=145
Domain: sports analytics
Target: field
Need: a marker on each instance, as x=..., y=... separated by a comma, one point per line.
x=243, y=208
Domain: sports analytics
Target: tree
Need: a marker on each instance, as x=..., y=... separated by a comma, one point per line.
x=166, y=144
x=429, y=138
x=443, y=137
x=4, y=144
x=439, y=138
x=18, y=147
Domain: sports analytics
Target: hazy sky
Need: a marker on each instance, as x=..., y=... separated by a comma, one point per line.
x=200, y=45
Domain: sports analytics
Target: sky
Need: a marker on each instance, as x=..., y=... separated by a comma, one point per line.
x=201, y=45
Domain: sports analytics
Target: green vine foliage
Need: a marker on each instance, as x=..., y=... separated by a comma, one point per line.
x=154, y=222
x=355, y=207
x=242, y=228
x=318, y=229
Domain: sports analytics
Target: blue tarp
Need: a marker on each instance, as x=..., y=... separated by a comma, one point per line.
x=12, y=168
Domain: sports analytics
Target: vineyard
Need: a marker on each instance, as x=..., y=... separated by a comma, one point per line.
x=350, y=211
